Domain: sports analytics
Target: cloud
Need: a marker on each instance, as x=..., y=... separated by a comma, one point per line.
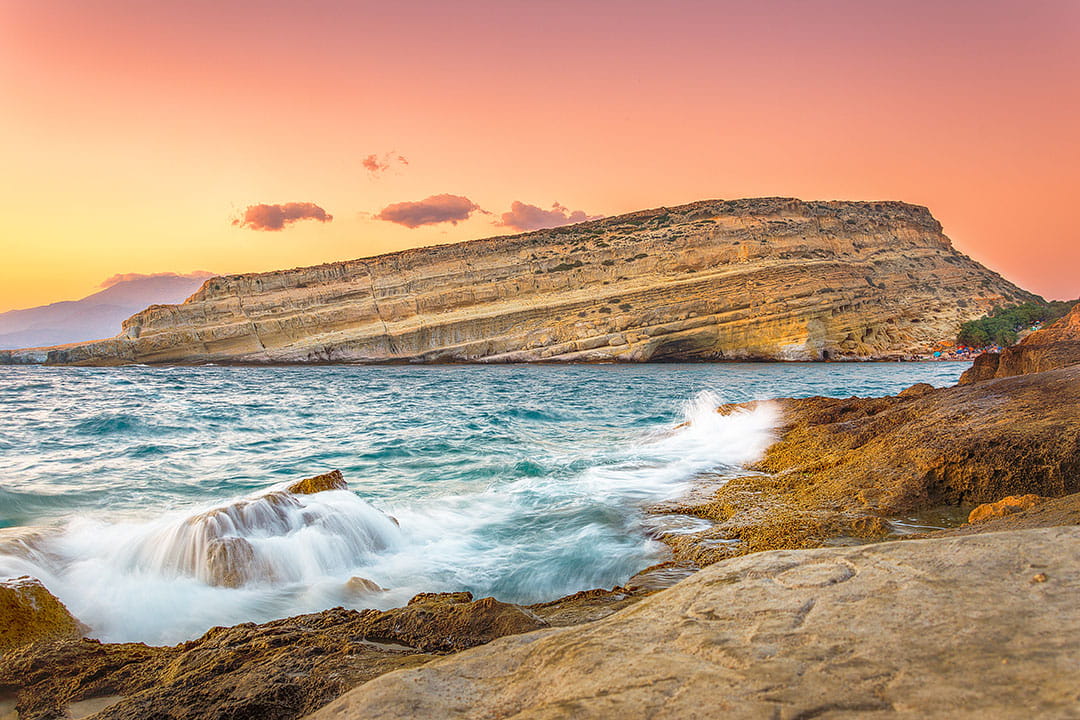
x=128, y=277
x=430, y=211
x=276, y=217
x=378, y=164
x=523, y=216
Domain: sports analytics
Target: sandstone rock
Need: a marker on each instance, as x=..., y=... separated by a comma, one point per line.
x=842, y=465
x=769, y=278
x=885, y=630
x=587, y=605
x=276, y=671
x=29, y=613
x=916, y=389
x=359, y=587
x=230, y=562
x=1049, y=512
x=444, y=622
x=1005, y=506
x=1055, y=346
x=332, y=480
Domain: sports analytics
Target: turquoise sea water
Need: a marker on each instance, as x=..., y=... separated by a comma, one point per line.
x=523, y=482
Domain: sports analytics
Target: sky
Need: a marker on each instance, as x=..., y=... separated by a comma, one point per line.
x=245, y=136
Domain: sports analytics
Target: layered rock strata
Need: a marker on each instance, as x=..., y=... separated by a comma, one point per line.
x=769, y=278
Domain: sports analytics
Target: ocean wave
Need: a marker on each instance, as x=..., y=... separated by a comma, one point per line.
x=162, y=519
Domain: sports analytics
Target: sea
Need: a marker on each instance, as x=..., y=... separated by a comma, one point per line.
x=526, y=483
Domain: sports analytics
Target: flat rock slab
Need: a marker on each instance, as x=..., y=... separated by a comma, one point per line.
x=977, y=626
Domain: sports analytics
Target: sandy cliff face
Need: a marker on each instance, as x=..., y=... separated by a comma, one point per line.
x=756, y=279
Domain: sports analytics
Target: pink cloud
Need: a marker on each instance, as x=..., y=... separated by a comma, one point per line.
x=430, y=211
x=127, y=277
x=378, y=164
x=523, y=216
x=276, y=217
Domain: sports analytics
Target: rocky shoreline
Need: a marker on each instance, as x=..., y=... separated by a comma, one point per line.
x=794, y=608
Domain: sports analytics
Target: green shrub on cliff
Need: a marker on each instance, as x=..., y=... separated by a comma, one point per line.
x=1002, y=325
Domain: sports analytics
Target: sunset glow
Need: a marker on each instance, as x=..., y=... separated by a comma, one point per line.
x=137, y=137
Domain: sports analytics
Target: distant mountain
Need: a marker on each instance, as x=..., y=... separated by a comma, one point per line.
x=96, y=316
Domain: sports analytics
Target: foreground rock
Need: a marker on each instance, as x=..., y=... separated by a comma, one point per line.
x=766, y=278
x=29, y=613
x=274, y=671
x=1055, y=346
x=980, y=626
x=842, y=467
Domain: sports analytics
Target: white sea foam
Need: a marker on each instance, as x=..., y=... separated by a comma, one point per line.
x=276, y=554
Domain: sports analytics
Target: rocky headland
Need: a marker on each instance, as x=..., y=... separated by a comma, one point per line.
x=768, y=278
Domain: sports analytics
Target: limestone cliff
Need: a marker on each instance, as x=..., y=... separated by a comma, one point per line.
x=768, y=278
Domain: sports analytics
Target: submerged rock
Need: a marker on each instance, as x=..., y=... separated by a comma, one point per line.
x=884, y=630
x=29, y=613
x=230, y=562
x=359, y=587
x=227, y=546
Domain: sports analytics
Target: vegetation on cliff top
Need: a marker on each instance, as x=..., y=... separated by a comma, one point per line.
x=1003, y=325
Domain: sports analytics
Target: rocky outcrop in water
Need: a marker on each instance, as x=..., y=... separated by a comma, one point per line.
x=843, y=467
x=1055, y=346
x=980, y=626
x=30, y=614
x=770, y=278
x=332, y=480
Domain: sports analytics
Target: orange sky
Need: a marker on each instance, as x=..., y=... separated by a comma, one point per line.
x=132, y=134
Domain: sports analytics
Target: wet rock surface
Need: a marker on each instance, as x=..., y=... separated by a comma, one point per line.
x=842, y=467
x=332, y=480
x=29, y=614
x=980, y=626
x=1005, y=506
x=281, y=669
x=1048, y=512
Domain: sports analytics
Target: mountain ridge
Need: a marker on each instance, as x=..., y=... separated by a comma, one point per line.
x=764, y=278
x=98, y=315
